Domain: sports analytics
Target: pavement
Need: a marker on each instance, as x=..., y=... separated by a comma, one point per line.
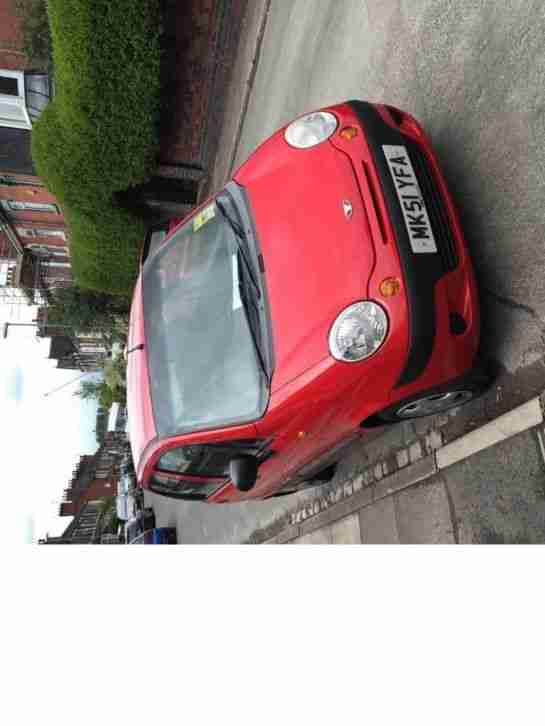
x=471, y=71
x=487, y=487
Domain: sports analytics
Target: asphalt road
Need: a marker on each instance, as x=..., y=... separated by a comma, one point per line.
x=472, y=72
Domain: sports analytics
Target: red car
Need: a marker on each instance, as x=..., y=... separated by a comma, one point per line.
x=325, y=289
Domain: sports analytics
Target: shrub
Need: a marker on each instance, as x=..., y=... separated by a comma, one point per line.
x=106, y=59
x=104, y=248
x=98, y=136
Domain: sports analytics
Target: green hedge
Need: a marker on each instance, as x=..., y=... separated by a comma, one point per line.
x=104, y=248
x=98, y=136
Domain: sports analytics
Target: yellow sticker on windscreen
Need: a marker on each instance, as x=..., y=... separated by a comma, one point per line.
x=203, y=217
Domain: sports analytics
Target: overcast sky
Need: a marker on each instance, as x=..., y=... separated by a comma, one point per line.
x=41, y=437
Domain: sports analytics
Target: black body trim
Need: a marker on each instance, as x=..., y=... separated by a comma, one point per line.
x=420, y=271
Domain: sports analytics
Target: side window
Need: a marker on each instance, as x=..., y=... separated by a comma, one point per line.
x=183, y=488
x=206, y=459
x=182, y=460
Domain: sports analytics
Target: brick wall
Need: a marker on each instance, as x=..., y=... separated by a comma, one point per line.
x=6, y=250
x=97, y=488
x=11, y=57
x=196, y=49
x=37, y=194
x=33, y=228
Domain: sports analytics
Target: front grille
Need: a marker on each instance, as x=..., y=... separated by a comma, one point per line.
x=435, y=205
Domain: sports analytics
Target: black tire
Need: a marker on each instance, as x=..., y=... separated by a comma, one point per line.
x=435, y=400
x=325, y=475
x=148, y=518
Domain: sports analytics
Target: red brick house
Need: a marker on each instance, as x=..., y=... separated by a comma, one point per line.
x=95, y=476
x=33, y=236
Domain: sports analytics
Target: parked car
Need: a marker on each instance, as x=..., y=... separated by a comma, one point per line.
x=125, y=506
x=157, y=535
x=326, y=288
x=126, y=465
x=142, y=519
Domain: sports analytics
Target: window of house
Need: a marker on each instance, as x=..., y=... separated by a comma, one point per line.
x=8, y=86
x=4, y=267
x=28, y=232
x=13, y=111
x=48, y=251
x=49, y=263
x=12, y=205
x=15, y=181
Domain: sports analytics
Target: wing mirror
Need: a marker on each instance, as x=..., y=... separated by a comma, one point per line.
x=243, y=472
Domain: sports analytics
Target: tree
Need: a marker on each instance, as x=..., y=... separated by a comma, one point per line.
x=102, y=392
x=101, y=424
x=111, y=389
x=115, y=373
x=89, y=389
x=86, y=311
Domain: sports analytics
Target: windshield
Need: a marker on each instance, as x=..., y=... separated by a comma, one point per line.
x=204, y=360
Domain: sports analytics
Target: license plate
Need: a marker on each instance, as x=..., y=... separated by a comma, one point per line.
x=410, y=198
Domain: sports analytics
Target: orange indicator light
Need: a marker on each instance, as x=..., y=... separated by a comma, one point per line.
x=389, y=287
x=348, y=133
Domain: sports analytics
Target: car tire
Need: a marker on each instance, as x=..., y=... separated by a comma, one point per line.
x=325, y=474
x=436, y=400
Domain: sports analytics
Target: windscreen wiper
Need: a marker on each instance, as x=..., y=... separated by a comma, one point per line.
x=239, y=235
x=251, y=322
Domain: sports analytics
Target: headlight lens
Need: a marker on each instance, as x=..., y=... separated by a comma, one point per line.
x=358, y=332
x=310, y=130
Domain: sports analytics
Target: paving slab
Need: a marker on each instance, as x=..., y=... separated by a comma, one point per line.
x=319, y=536
x=346, y=531
x=378, y=523
x=423, y=514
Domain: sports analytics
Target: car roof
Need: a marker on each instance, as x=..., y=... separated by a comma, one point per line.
x=140, y=412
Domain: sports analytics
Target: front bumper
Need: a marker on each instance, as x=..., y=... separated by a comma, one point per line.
x=437, y=286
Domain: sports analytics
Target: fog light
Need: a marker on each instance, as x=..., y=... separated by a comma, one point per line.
x=389, y=287
x=348, y=133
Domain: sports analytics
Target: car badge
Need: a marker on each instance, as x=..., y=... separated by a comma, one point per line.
x=347, y=209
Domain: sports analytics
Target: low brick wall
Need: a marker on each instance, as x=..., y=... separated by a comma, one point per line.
x=199, y=42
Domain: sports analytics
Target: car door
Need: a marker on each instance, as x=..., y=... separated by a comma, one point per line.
x=197, y=471
x=304, y=432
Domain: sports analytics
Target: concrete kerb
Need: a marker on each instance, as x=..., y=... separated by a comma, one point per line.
x=250, y=81
x=516, y=421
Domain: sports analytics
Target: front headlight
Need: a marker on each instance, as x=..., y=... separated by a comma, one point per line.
x=310, y=130
x=358, y=332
